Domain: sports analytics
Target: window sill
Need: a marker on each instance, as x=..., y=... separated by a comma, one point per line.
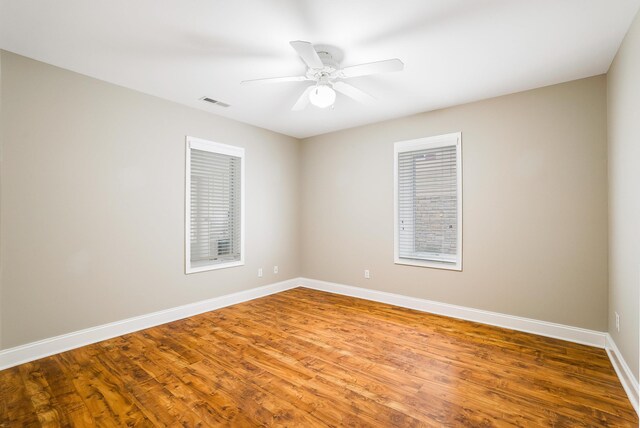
x=430, y=264
x=197, y=269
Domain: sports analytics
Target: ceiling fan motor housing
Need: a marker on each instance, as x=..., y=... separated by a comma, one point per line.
x=331, y=66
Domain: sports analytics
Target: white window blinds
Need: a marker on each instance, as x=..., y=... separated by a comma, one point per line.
x=428, y=205
x=214, y=210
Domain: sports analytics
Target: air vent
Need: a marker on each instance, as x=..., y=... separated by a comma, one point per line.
x=216, y=102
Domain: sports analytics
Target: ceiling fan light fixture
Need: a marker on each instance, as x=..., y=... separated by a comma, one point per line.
x=322, y=96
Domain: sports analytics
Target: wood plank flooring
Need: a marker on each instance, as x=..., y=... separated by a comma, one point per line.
x=307, y=358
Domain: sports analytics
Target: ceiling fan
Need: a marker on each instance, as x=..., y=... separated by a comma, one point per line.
x=324, y=71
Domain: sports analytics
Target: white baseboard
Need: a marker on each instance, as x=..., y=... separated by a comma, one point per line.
x=628, y=380
x=542, y=328
x=54, y=345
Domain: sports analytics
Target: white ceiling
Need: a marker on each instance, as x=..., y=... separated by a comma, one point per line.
x=455, y=51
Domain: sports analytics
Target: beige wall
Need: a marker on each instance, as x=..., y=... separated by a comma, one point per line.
x=624, y=195
x=535, y=205
x=92, y=203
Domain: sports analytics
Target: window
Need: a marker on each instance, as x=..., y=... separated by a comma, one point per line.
x=214, y=206
x=428, y=202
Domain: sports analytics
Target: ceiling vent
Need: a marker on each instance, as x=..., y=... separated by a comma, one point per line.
x=216, y=102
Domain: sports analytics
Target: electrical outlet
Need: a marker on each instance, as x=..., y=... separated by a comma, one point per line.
x=366, y=274
x=275, y=269
x=259, y=272
x=617, y=322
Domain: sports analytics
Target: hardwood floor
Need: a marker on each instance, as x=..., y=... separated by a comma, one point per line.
x=307, y=358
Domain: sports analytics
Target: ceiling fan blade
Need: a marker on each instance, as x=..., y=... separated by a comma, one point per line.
x=274, y=80
x=353, y=92
x=303, y=101
x=307, y=53
x=373, y=68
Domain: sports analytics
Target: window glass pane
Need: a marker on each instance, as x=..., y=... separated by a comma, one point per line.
x=215, y=217
x=427, y=202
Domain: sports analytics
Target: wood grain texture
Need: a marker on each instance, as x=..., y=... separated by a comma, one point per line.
x=313, y=359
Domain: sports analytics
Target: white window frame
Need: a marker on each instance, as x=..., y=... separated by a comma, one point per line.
x=224, y=149
x=421, y=144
